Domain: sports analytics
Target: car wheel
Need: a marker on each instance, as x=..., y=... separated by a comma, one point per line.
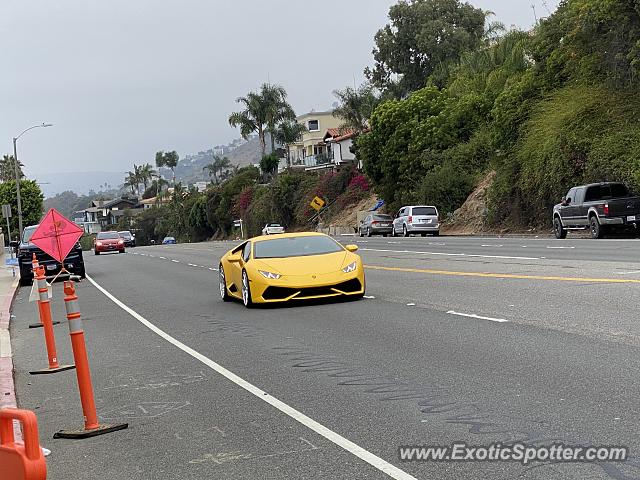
x=393, y=231
x=423, y=234
x=405, y=232
x=360, y=232
x=246, y=290
x=436, y=233
x=595, y=228
x=368, y=232
x=224, y=293
x=26, y=282
x=96, y=252
x=384, y=235
x=559, y=229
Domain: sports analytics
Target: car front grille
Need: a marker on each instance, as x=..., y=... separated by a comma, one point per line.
x=280, y=293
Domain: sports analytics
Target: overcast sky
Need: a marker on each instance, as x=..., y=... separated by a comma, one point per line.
x=121, y=79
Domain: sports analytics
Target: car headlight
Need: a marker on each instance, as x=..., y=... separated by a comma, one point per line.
x=273, y=276
x=350, y=268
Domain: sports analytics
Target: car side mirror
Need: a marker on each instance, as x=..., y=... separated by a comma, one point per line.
x=352, y=248
x=234, y=258
x=565, y=202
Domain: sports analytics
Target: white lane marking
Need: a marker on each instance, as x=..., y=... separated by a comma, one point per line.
x=559, y=247
x=163, y=258
x=373, y=460
x=152, y=256
x=192, y=264
x=451, y=254
x=175, y=261
x=213, y=269
x=628, y=273
x=473, y=315
x=411, y=304
x=497, y=246
x=432, y=243
x=370, y=297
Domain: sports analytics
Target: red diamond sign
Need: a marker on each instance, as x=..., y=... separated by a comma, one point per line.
x=56, y=235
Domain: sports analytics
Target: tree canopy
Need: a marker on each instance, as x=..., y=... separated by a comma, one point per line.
x=422, y=35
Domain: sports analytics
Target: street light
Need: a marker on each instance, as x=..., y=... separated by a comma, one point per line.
x=17, y=170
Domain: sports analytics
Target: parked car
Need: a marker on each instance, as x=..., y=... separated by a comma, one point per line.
x=169, y=241
x=376, y=224
x=272, y=229
x=108, y=242
x=289, y=268
x=420, y=219
x=74, y=262
x=598, y=207
x=129, y=238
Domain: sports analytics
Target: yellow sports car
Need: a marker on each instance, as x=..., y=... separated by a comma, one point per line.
x=291, y=266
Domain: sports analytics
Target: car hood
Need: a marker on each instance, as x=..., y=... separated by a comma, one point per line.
x=318, y=264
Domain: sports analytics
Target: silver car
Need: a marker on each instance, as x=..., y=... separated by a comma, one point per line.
x=420, y=219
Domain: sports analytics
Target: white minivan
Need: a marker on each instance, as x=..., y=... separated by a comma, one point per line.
x=420, y=219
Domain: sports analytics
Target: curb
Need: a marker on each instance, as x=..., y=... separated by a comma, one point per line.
x=7, y=387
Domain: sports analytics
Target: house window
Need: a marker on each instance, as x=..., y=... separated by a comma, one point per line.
x=313, y=125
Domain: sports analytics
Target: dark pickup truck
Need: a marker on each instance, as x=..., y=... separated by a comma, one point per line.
x=598, y=207
x=74, y=263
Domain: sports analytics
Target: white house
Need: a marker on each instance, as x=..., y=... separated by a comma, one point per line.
x=340, y=143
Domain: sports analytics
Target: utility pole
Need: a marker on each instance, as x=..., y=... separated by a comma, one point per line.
x=17, y=171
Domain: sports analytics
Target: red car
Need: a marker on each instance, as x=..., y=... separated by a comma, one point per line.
x=108, y=242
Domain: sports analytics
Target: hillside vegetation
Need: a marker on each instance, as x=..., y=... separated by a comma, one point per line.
x=545, y=109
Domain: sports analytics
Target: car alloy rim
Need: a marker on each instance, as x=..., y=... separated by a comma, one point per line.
x=223, y=284
x=245, y=288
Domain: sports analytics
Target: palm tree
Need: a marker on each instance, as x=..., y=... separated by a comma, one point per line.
x=169, y=160
x=355, y=107
x=218, y=167
x=131, y=180
x=7, y=169
x=146, y=174
x=288, y=132
x=252, y=118
x=262, y=111
x=278, y=109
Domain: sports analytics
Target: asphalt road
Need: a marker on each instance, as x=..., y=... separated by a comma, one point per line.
x=478, y=340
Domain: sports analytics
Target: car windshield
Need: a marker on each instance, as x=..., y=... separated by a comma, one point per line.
x=423, y=211
x=274, y=225
x=108, y=236
x=125, y=234
x=384, y=218
x=295, y=247
x=169, y=239
x=28, y=233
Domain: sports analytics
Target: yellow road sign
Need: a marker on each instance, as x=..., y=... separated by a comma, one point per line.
x=317, y=203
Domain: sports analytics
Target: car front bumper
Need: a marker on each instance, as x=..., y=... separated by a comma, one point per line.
x=306, y=287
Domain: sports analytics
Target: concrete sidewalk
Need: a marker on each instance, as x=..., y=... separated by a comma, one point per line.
x=8, y=288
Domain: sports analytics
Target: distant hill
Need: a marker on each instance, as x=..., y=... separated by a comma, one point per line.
x=190, y=168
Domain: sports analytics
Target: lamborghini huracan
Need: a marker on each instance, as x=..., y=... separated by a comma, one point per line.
x=291, y=266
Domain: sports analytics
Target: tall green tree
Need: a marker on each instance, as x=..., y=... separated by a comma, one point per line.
x=169, y=160
x=422, y=35
x=355, y=106
x=218, y=167
x=278, y=109
x=7, y=169
x=251, y=119
x=261, y=113
x=287, y=133
x=32, y=203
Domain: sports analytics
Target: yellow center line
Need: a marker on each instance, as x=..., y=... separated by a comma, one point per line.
x=502, y=275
